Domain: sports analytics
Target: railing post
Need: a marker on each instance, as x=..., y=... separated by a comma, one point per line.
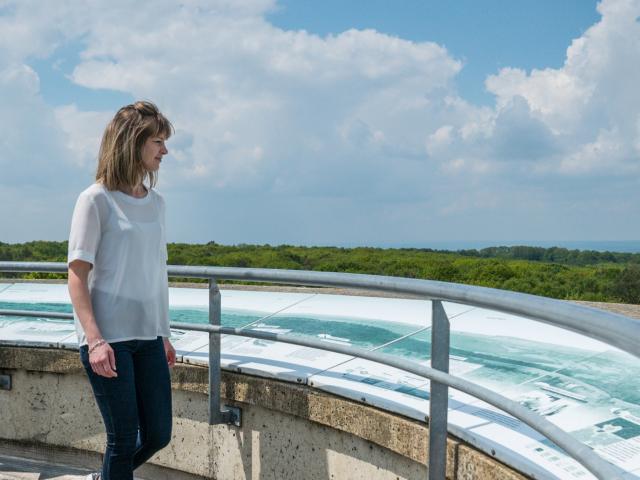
x=215, y=318
x=439, y=396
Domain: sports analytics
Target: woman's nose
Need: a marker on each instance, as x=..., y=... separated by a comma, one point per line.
x=164, y=150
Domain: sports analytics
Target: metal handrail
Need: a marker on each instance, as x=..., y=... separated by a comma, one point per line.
x=620, y=331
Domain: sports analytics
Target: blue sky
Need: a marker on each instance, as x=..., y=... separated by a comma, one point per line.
x=57, y=89
x=345, y=122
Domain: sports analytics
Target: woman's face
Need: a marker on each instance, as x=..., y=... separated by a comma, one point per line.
x=152, y=153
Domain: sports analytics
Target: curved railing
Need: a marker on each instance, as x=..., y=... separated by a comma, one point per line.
x=615, y=330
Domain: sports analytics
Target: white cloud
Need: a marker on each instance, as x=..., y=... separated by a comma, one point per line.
x=591, y=105
x=609, y=152
x=554, y=95
x=238, y=85
x=31, y=153
x=439, y=140
x=83, y=131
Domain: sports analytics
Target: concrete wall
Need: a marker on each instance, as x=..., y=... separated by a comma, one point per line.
x=288, y=431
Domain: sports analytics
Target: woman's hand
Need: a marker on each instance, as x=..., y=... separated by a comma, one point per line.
x=103, y=361
x=170, y=352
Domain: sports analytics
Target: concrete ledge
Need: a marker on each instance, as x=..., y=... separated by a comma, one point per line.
x=288, y=430
x=45, y=461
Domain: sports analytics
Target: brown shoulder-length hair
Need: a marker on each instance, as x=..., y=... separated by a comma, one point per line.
x=120, y=157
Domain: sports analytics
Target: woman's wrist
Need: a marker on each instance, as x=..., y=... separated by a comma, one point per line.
x=96, y=344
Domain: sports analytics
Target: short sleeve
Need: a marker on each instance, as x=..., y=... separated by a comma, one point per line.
x=163, y=228
x=85, y=231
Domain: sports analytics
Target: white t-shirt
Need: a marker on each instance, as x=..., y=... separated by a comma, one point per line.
x=123, y=237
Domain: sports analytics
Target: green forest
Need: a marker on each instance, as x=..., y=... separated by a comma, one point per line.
x=552, y=272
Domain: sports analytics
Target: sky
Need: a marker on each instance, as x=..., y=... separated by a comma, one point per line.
x=334, y=122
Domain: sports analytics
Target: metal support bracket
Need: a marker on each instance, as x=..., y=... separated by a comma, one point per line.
x=5, y=382
x=232, y=415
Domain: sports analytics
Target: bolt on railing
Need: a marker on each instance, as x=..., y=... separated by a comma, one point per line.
x=621, y=332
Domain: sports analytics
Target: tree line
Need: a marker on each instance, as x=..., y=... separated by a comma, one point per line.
x=551, y=272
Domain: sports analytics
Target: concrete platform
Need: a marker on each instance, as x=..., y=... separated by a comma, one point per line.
x=14, y=468
x=27, y=462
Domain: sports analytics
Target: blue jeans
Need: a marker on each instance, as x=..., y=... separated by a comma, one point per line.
x=135, y=405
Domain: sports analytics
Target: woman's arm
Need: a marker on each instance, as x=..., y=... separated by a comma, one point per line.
x=101, y=358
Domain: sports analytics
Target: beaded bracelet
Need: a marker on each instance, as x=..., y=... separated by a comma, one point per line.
x=102, y=341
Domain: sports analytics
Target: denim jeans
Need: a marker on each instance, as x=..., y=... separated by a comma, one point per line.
x=135, y=405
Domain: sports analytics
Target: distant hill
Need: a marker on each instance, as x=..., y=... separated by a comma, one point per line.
x=553, y=272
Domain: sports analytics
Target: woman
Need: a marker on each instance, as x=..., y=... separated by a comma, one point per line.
x=118, y=287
